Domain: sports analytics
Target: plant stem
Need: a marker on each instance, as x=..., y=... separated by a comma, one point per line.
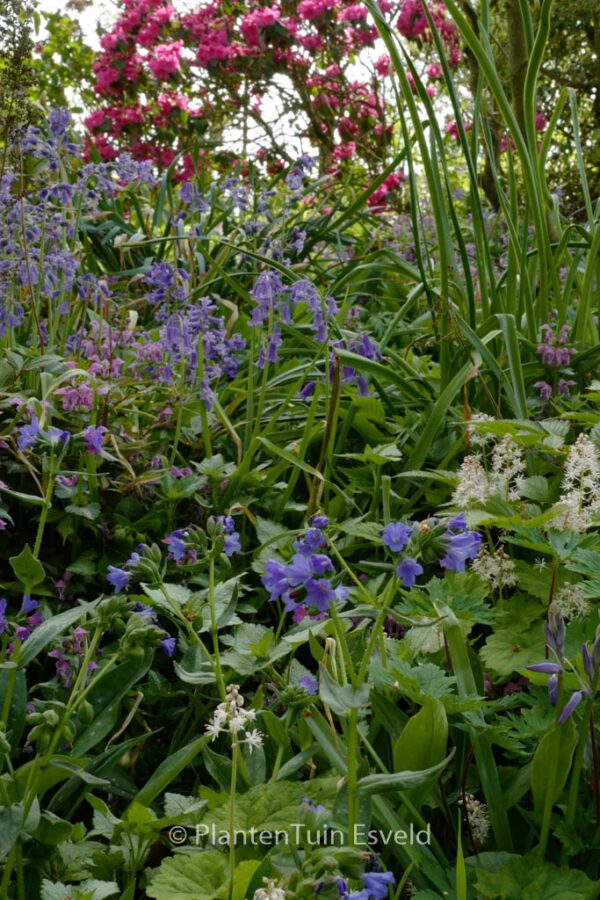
x=214, y=629
x=352, y=763
x=233, y=788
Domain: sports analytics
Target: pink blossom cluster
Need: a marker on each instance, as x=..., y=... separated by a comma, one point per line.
x=197, y=65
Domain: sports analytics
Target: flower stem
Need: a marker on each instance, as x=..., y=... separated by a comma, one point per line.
x=233, y=788
x=214, y=629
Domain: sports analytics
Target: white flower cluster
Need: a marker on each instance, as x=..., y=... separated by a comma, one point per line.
x=580, y=497
x=498, y=569
x=269, y=892
x=230, y=716
x=571, y=602
x=477, y=814
x=477, y=437
x=504, y=480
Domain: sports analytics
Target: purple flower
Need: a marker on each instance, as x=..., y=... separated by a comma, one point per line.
x=545, y=668
x=545, y=390
x=275, y=579
x=232, y=544
x=94, y=436
x=457, y=523
x=554, y=632
x=461, y=547
x=318, y=521
x=311, y=541
x=310, y=684
x=564, y=387
x=176, y=545
x=3, y=619
x=571, y=706
x=319, y=593
x=396, y=536
x=168, y=645
x=307, y=391
x=28, y=605
x=300, y=570
x=408, y=570
x=376, y=883
x=119, y=578
x=28, y=434
x=59, y=120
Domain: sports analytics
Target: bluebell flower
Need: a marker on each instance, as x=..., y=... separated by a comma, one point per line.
x=307, y=391
x=396, y=536
x=553, y=690
x=574, y=701
x=408, y=570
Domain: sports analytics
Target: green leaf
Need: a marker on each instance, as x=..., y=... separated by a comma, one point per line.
x=554, y=754
x=510, y=649
x=170, y=768
x=201, y=876
x=11, y=823
x=400, y=781
x=529, y=878
x=49, y=630
x=422, y=744
x=27, y=568
x=341, y=698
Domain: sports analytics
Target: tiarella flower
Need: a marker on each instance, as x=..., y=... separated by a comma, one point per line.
x=498, y=569
x=396, y=536
x=408, y=570
x=479, y=820
x=270, y=891
x=472, y=485
x=231, y=717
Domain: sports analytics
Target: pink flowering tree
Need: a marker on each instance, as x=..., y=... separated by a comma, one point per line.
x=170, y=80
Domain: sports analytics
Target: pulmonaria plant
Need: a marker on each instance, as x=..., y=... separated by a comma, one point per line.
x=555, y=354
x=305, y=585
x=449, y=544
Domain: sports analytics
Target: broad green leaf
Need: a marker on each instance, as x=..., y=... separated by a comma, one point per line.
x=198, y=876
x=49, y=630
x=551, y=764
x=422, y=744
x=529, y=878
x=341, y=698
x=400, y=781
x=27, y=568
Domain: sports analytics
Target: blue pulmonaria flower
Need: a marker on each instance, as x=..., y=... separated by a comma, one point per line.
x=376, y=883
x=168, y=646
x=461, y=547
x=119, y=578
x=571, y=706
x=318, y=521
x=408, y=570
x=176, y=544
x=28, y=434
x=299, y=570
x=94, y=436
x=343, y=888
x=275, y=579
x=3, y=619
x=319, y=593
x=28, y=605
x=457, y=523
x=232, y=538
x=396, y=536
x=311, y=541
x=310, y=684
x=146, y=612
